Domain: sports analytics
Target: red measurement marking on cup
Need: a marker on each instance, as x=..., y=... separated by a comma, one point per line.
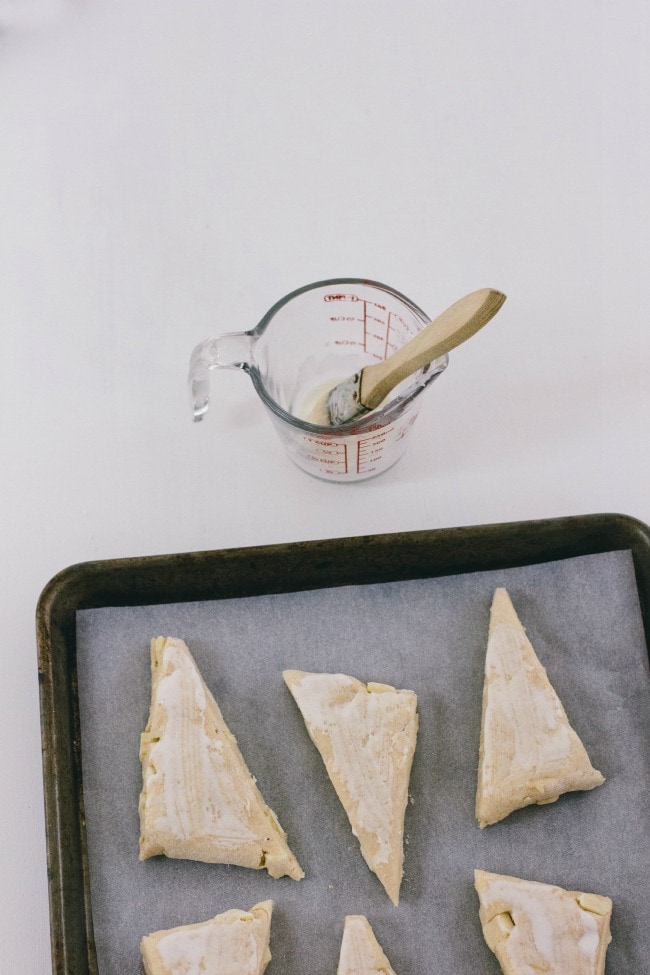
x=331, y=457
x=406, y=427
x=370, y=449
x=381, y=332
x=388, y=325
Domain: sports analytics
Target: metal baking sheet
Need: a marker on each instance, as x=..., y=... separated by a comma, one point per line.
x=410, y=610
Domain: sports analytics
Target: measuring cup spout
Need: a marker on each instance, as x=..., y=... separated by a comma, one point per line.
x=229, y=351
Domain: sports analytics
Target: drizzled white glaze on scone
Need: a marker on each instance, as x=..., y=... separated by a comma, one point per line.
x=361, y=953
x=232, y=943
x=366, y=736
x=533, y=927
x=199, y=801
x=528, y=752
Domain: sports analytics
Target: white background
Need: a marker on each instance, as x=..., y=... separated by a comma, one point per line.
x=170, y=168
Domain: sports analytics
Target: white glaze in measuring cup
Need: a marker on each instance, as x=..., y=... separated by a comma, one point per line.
x=306, y=344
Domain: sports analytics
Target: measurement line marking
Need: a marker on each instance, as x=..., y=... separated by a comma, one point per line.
x=388, y=326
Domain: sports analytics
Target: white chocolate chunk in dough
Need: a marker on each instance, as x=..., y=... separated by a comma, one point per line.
x=233, y=943
x=199, y=801
x=528, y=752
x=533, y=927
x=361, y=953
x=366, y=736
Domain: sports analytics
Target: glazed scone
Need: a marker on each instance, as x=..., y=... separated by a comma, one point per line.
x=528, y=751
x=533, y=927
x=199, y=801
x=361, y=953
x=233, y=943
x=366, y=737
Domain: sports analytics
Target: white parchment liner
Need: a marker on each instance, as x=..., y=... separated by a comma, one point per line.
x=583, y=618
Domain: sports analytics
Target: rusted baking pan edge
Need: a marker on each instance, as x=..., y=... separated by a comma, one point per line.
x=230, y=573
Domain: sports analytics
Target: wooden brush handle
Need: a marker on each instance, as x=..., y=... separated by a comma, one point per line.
x=457, y=324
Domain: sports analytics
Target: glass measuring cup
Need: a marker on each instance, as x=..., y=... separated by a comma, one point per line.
x=307, y=343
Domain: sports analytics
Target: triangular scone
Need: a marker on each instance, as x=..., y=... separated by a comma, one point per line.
x=528, y=752
x=234, y=943
x=366, y=737
x=199, y=801
x=534, y=927
x=361, y=953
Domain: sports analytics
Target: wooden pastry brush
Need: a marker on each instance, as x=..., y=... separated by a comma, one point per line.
x=368, y=388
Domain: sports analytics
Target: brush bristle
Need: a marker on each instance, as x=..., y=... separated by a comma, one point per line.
x=320, y=414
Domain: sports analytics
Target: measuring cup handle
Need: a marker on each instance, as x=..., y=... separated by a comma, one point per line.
x=229, y=351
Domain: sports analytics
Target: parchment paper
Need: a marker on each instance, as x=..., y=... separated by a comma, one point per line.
x=582, y=616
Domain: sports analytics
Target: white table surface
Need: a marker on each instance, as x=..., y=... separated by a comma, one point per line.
x=170, y=169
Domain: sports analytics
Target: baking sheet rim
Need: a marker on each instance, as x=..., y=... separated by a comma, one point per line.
x=269, y=568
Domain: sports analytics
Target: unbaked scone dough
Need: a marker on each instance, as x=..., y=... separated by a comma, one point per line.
x=199, y=801
x=533, y=927
x=361, y=953
x=233, y=943
x=528, y=752
x=366, y=737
